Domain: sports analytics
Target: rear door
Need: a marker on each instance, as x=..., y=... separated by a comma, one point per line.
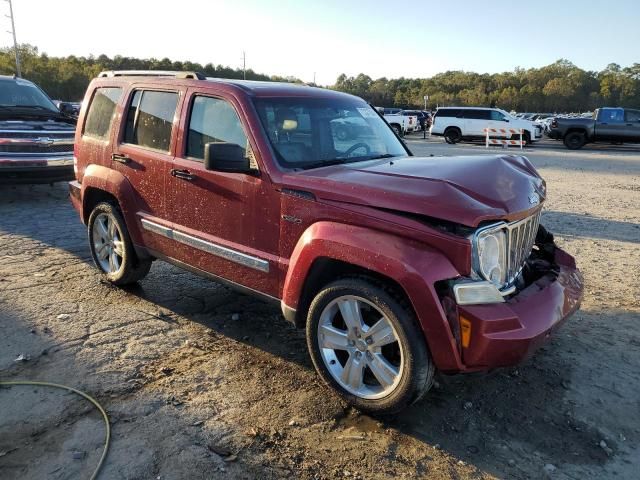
x=144, y=156
x=475, y=121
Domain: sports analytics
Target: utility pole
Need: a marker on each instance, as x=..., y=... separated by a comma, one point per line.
x=244, y=65
x=15, y=42
x=314, y=78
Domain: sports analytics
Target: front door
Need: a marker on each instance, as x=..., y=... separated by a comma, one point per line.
x=610, y=124
x=226, y=224
x=632, y=123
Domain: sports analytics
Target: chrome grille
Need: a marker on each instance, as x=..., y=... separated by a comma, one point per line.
x=521, y=236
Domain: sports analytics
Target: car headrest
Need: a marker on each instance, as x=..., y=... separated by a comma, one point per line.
x=286, y=119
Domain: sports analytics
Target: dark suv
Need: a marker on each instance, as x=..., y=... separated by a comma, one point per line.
x=36, y=139
x=395, y=265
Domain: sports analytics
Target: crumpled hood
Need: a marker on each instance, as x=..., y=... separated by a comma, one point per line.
x=465, y=190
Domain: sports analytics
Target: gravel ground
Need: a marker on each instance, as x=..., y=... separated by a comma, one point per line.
x=201, y=382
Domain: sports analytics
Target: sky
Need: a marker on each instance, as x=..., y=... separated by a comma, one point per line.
x=330, y=37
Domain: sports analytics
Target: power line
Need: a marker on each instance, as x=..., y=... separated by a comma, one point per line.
x=15, y=42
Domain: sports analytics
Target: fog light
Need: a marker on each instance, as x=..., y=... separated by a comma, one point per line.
x=474, y=293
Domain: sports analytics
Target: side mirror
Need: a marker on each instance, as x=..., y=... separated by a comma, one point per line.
x=66, y=109
x=225, y=157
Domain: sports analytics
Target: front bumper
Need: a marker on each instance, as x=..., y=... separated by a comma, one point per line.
x=505, y=334
x=36, y=169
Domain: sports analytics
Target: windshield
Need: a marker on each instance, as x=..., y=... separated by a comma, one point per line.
x=21, y=93
x=314, y=132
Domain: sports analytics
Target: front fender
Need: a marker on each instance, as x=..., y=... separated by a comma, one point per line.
x=116, y=184
x=414, y=266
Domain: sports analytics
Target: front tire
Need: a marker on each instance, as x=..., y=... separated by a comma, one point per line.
x=111, y=247
x=366, y=344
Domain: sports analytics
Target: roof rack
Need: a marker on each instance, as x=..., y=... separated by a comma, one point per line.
x=152, y=73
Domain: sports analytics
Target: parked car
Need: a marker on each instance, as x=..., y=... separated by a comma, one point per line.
x=36, y=139
x=606, y=124
x=396, y=266
x=424, y=118
x=398, y=122
x=469, y=123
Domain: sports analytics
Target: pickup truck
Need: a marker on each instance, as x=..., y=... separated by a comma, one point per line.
x=607, y=124
x=399, y=122
x=36, y=138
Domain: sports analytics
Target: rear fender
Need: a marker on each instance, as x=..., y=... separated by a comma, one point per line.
x=114, y=183
x=414, y=266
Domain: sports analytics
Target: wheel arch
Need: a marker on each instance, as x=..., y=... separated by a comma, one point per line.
x=100, y=183
x=328, y=250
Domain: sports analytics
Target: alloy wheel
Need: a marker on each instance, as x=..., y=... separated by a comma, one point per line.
x=360, y=347
x=108, y=243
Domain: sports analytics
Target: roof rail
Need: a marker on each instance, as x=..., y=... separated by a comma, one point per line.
x=152, y=73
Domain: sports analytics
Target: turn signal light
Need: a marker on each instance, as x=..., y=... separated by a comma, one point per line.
x=465, y=331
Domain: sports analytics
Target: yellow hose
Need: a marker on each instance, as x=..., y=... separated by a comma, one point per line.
x=85, y=396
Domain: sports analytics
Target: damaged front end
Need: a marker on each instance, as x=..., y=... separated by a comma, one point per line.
x=506, y=325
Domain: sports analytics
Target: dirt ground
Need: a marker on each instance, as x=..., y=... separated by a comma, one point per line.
x=201, y=382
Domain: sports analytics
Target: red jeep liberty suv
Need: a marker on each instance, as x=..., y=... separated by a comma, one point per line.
x=395, y=265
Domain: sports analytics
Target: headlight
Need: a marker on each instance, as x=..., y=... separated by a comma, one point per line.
x=491, y=255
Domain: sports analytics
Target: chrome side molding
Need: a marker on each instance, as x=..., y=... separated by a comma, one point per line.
x=209, y=247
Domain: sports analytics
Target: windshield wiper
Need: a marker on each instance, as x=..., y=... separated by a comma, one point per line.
x=343, y=160
x=324, y=163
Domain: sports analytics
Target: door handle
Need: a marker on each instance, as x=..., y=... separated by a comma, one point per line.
x=629, y=124
x=119, y=157
x=183, y=174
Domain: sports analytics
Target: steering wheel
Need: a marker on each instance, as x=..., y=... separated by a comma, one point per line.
x=355, y=147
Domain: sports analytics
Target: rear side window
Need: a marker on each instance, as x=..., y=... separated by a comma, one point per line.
x=448, y=112
x=632, y=115
x=101, y=112
x=477, y=114
x=213, y=120
x=150, y=119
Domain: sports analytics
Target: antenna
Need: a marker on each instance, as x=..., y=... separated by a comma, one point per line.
x=244, y=65
x=15, y=42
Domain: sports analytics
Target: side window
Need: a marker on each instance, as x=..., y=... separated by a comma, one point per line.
x=632, y=115
x=448, y=112
x=101, y=110
x=150, y=119
x=497, y=116
x=612, y=115
x=477, y=114
x=213, y=120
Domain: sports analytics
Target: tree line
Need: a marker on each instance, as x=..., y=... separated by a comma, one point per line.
x=556, y=88
x=559, y=87
x=67, y=78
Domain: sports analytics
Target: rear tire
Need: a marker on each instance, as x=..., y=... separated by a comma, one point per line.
x=452, y=135
x=111, y=246
x=575, y=140
x=379, y=370
x=396, y=128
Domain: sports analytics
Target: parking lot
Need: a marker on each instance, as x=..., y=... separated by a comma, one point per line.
x=203, y=382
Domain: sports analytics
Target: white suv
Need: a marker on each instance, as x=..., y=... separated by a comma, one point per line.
x=469, y=123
